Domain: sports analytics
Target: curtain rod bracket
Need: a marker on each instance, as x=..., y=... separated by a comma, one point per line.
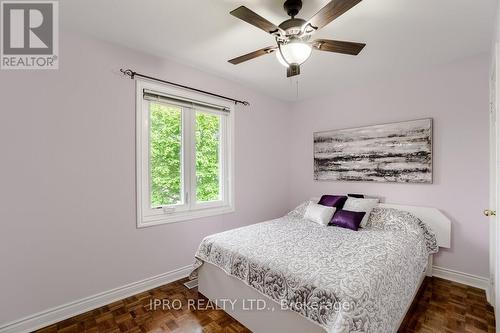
x=132, y=74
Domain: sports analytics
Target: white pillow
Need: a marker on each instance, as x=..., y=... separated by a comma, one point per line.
x=361, y=205
x=319, y=213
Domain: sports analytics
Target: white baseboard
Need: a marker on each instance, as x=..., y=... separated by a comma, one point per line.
x=56, y=314
x=464, y=278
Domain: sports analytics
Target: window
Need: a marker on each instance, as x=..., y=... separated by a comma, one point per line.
x=184, y=155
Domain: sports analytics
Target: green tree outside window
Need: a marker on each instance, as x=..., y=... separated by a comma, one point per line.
x=166, y=155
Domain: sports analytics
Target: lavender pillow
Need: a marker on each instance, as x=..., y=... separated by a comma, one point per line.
x=336, y=201
x=347, y=219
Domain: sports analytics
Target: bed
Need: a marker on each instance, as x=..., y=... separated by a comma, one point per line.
x=293, y=275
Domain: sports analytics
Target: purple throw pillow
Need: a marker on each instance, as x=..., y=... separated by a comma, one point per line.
x=347, y=219
x=336, y=201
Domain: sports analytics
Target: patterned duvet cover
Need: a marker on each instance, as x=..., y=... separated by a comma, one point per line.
x=342, y=280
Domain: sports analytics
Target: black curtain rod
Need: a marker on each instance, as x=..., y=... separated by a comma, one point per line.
x=133, y=74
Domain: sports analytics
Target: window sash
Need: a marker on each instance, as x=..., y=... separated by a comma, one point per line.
x=190, y=207
x=222, y=167
x=147, y=207
x=182, y=203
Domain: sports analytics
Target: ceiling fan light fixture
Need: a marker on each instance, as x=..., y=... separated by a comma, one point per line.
x=281, y=60
x=295, y=52
x=293, y=35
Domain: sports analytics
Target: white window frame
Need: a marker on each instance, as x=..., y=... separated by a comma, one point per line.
x=189, y=209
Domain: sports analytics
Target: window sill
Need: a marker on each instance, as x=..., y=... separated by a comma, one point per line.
x=149, y=221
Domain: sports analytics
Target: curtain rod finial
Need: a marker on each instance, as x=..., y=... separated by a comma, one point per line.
x=128, y=72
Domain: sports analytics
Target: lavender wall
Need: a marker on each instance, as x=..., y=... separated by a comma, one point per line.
x=67, y=177
x=456, y=97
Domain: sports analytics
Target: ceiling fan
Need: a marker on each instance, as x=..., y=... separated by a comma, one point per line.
x=293, y=35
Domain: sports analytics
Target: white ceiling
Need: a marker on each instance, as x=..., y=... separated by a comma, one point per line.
x=401, y=36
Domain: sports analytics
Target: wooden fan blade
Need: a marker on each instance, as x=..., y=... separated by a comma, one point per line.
x=245, y=14
x=331, y=11
x=338, y=46
x=252, y=55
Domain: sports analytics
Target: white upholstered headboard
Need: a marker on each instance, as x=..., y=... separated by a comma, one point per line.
x=433, y=217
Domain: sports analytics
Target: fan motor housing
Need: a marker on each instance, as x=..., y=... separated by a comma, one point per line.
x=293, y=26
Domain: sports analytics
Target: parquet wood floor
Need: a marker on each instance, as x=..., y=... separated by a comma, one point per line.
x=440, y=306
x=446, y=306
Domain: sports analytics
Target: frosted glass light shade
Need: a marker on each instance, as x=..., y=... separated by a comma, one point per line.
x=280, y=58
x=295, y=52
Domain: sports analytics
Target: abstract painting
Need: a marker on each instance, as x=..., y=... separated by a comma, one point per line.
x=396, y=152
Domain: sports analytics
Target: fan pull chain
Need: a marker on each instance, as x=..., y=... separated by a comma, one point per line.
x=295, y=81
